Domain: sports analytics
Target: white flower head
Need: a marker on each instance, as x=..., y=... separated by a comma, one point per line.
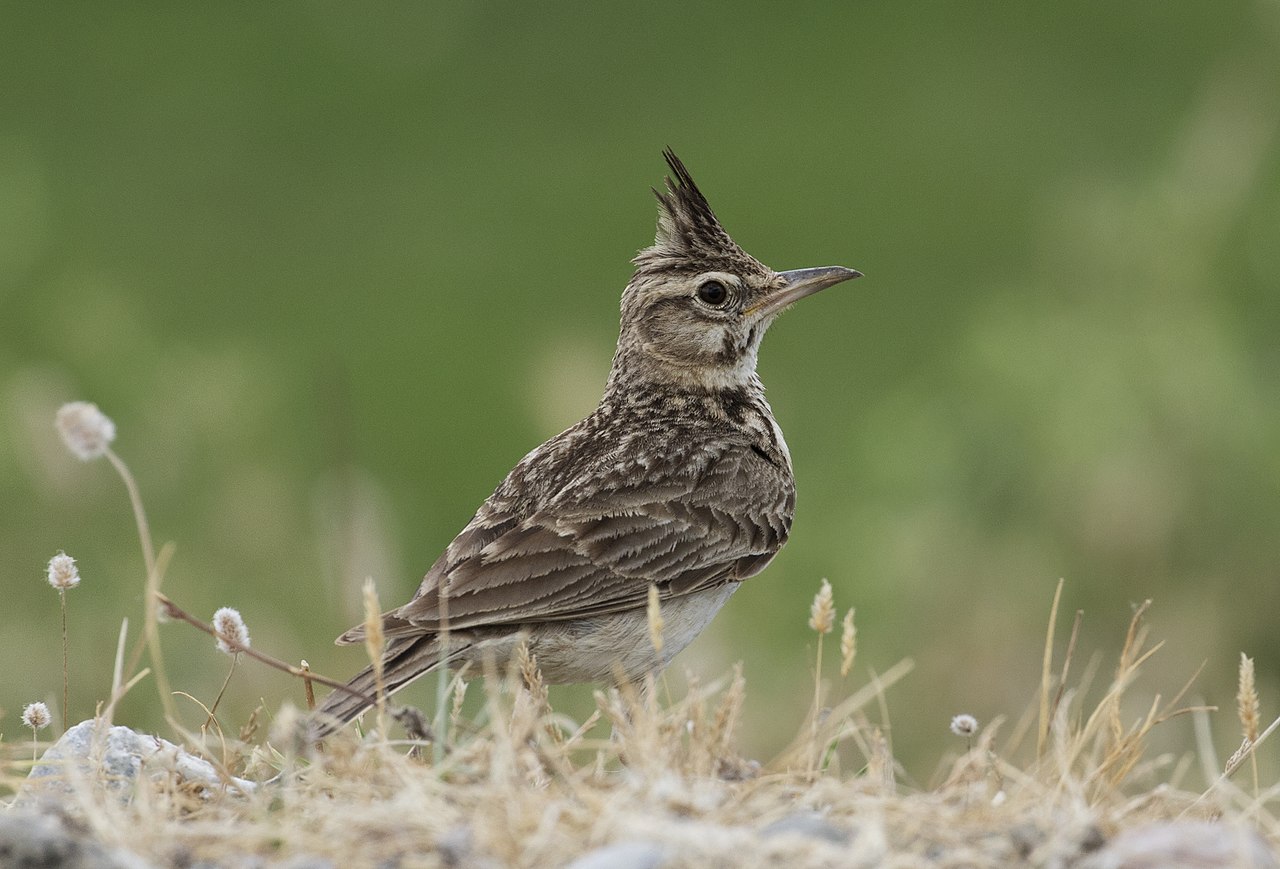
x=85, y=430
x=964, y=725
x=63, y=573
x=228, y=623
x=36, y=716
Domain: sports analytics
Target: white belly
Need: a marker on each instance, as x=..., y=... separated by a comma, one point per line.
x=604, y=648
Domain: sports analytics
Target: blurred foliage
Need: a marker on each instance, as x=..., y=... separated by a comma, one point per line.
x=332, y=272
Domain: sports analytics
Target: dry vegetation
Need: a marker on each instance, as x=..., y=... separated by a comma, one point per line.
x=1072, y=782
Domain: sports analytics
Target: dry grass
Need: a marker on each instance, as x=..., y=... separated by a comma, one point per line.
x=520, y=784
x=517, y=783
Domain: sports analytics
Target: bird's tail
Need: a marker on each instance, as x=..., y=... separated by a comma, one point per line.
x=405, y=659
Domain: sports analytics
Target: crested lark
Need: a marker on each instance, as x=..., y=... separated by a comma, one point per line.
x=679, y=479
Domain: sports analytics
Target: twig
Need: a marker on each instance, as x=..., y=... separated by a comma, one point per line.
x=1235, y=762
x=409, y=718
x=307, y=686
x=176, y=612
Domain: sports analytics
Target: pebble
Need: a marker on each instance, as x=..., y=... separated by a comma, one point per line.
x=48, y=840
x=623, y=855
x=811, y=825
x=1184, y=845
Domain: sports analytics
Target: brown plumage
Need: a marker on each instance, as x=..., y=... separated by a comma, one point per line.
x=679, y=479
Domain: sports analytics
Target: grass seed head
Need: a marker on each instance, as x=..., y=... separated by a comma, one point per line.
x=964, y=725
x=374, y=639
x=63, y=573
x=1247, y=699
x=230, y=626
x=848, y=644
x=822, y=614
x=36, y=716
x=86, y=431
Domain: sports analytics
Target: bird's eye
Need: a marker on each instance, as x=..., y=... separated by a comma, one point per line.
x=713, y=293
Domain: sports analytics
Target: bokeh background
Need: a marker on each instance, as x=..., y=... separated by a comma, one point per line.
x=333, y=271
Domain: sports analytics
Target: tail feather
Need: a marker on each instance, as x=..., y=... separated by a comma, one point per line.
x=405, y=660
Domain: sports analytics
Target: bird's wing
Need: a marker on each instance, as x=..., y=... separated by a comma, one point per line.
x=588, y=554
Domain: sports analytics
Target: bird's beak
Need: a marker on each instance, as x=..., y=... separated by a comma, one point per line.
x=801, y=283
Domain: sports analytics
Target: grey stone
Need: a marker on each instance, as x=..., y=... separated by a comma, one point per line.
x=48, y=840
x=1184, y=845
x=1026, y=837
x=305, y=861
x=622, y=855
x=810, y=825
x=108, y=760
x=455, y=846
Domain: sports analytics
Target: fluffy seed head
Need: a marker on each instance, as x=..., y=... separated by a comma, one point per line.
x=229, y=625
x=36, y=716
x=822, y=613
x=63, y=573
x=964, y=725
x=848, y=644
x=1247, y=699
x=85, y=430
x=374, y=638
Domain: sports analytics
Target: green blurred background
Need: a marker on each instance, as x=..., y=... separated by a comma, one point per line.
x=333, y=271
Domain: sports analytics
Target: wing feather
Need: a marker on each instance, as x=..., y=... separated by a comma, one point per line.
x=578, y=556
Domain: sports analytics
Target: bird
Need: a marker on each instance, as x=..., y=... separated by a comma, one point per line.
x=680, y=480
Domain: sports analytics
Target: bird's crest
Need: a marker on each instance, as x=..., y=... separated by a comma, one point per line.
x=689, y=236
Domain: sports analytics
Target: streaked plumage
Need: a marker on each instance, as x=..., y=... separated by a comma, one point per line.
x=680, y=479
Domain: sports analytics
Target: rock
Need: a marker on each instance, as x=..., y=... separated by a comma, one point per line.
x=1184, y=845
x=811, y=825
x=305, y=861
x=109, y=759
x=623, y=855
x=47, y=840
x=455, y=846
x=457, y=850
x=1026, y=837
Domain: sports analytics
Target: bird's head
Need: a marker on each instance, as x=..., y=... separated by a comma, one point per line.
x=697, y=306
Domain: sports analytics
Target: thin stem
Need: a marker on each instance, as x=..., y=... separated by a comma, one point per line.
x=1042, y=732
x=151, y=635
x=817, y=703
x=235, y=659
x=149, y=640
x=66, y=694
x=817, y=678
x=139, y=515
x=442, y=679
